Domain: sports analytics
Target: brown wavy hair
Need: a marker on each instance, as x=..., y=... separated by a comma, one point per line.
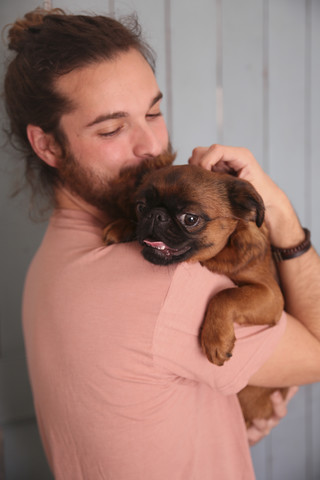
x=48, y=44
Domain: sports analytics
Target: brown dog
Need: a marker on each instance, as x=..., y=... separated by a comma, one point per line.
x=120, y=199
x=186, y=213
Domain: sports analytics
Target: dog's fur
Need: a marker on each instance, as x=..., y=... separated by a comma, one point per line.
x=185, y=213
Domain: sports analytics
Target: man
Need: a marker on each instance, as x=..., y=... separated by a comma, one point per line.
x=121, y=387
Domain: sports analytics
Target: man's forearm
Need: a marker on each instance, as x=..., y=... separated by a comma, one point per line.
x=300, y=282
x=299, y=276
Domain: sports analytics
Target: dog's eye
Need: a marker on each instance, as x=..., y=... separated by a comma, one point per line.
x=189, y=219
x=140, y=208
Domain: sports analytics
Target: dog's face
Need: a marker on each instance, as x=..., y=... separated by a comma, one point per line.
x=188, y=213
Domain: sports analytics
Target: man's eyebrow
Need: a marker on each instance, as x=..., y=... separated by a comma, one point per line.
x=156, y=99
x=115, y=115
x=108, y=116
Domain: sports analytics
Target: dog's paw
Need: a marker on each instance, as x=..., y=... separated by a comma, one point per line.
x=217, y=343
x=119, y=231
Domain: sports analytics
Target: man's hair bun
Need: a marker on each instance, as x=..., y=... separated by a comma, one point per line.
x=20, y=32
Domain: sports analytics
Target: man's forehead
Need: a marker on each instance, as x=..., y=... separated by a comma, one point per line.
x=113, y=80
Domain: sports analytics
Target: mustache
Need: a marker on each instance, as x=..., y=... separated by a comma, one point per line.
x=167, y=157
x=147, y=164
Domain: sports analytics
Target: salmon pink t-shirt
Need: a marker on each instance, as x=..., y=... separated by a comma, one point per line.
x=122, y=390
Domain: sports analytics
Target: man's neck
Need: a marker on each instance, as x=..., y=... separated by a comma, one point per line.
x=65, y=199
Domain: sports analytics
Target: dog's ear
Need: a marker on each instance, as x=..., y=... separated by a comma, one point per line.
x=245, y=201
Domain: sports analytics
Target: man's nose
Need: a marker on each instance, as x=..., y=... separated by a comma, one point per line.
x=146, y=142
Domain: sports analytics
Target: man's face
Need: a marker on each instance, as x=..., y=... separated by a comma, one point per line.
x=116, y=122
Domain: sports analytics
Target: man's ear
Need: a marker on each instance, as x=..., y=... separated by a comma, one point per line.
x=44, y=145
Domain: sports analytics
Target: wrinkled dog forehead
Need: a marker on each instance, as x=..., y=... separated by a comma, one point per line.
x=183, y=187
x=178, y=180
x=174, y=196
x=172, y=200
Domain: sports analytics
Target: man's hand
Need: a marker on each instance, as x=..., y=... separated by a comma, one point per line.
x=284, y=226
x=261, y=427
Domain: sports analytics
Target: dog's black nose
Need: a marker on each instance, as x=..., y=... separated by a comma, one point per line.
x=159, y=215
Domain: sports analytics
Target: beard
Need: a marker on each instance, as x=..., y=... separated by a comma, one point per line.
x=86, y=184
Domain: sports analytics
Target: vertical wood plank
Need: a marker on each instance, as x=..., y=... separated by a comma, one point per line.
x=289, y=442
x=287, y=98
x=1, y=456
x=314, y=175
x=22, y=450
x=259, y=460
x=243, y=74
x=308, y=390
x=193, y=33
x=315, y=467
x=315, y=122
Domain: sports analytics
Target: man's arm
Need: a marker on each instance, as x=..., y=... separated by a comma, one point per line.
x=295, y=360
x=300, y=282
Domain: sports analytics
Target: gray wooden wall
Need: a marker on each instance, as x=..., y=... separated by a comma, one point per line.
x=239, y=72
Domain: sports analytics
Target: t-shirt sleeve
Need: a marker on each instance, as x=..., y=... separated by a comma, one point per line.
x=176, y=344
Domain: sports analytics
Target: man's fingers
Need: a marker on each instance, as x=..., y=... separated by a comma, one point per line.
x=262, y=427
x=280, y=404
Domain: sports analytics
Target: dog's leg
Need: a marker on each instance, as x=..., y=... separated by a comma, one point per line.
x=121, y=230
x=255, y=304
x=217, y=336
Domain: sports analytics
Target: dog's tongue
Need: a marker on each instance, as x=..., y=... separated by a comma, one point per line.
x=157, y=245
x=164, y=249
